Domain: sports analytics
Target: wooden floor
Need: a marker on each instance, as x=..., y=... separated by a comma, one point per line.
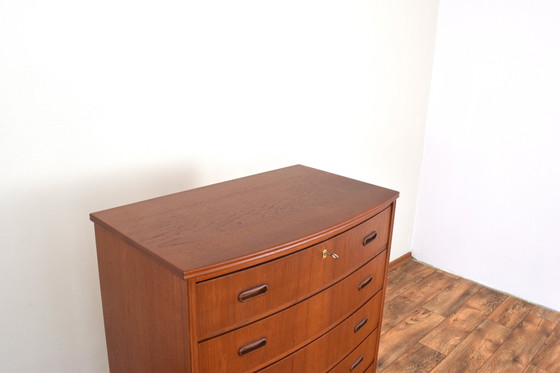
x=437, y=322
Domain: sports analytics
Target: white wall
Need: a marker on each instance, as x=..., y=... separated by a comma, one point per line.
x=489, y=207
x=104, y=103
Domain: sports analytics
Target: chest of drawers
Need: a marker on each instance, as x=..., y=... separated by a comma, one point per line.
x=283, y=271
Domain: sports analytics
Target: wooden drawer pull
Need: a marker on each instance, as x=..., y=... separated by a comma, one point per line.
x=356, y=363
x=250, y=347
x=370, y=237
x=360, y=325
x=251, y=293
x=365, y=283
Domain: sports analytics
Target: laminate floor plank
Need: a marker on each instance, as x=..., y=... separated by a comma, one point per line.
x=451, y=332
x=437, y=322
x=449, y=274
x=548, y=357
x=447, y=335
x=405, y=335
x=546, y=314
x=451, y=298
x=533, y=369
x=399, y=283
x=416, y=269
x=486, y=301
x=471, y=354
x=403, y=305
x=517, y=351
x=511, y=312
x=418, y=359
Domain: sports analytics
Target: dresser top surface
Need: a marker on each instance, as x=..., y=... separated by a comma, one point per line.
x=245, y=219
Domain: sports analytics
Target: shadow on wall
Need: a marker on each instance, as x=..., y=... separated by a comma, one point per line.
x=50, y=239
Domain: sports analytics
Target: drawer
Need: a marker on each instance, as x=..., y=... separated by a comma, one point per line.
x=227, y=302
x=360, y=359
x=259, y=343
x=326, y=351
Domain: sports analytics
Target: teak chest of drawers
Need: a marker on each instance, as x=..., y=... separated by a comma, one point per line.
x=283, y=271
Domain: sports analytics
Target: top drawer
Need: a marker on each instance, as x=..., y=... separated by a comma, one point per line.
x=230, y=301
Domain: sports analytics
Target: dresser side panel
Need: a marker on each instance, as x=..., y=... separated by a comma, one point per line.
x=143, y=309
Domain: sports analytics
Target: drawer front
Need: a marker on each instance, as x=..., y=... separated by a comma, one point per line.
x=230, y=301
x=327, y=351
x=261, y=342
x=360, y=359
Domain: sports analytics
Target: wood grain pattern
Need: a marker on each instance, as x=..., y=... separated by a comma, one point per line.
x=378, y=330
x=232, y=277
x=533, y=369
x=405, y=334
x=142, y=308
x=400, y=307
x=475, y=350
x=299, y=324
x=450, y=333
x=398, y=282
x=416, y=269
x=511, y=312
x=419, y=359
x=486, y=301
x=548, y=357
x=451, y=298
x=220, y=310
x=515, y=354
x=489, y=332
x=547, y=314
x=216, y=227
x=400, y=260
x=359, y=359
x=322, y=354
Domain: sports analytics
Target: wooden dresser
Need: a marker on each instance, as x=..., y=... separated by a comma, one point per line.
x=283, y=271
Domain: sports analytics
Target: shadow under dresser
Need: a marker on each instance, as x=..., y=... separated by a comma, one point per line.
x=283, y=271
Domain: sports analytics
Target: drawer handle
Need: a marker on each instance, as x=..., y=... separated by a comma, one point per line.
x=250, y=347
x=248, y=294
x=356, y=363
x=360, y=325
x=370, y=237
x=365, y=283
